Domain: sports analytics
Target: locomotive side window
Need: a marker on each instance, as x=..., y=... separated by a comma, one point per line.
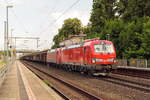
x=103, y=48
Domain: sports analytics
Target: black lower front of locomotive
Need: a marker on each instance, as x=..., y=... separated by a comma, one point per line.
x=88, y=69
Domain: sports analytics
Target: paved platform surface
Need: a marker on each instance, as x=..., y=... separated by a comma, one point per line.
x=137, y=68
x=21, y=84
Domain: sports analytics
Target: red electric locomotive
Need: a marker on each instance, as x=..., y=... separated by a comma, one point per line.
x=92, y=56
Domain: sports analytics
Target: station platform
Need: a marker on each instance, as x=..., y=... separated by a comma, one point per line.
x=134, y=68
x=21, y=84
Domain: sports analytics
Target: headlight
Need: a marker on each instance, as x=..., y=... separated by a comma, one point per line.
x=93, y=60
x=115, y=60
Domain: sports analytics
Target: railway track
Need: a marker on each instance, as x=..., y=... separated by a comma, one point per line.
x=140, y=73
x=123, y=80
x=81, y=93
x=129, y=82
x=114, y=87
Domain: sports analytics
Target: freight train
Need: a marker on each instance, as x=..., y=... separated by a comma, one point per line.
x=92, y=57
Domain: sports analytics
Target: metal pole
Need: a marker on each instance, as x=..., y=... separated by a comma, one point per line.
x=15, y=43
x=11, y=44
x=7, y=7
x=5, y=43
x=7, y=32
x=146, y=62
x=11, y=41
x=37, y=42
x=108, y=36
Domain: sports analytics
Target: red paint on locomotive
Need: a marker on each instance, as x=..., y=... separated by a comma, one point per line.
x=97, y=52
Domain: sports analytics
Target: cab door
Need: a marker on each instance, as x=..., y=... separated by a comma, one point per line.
x=58, y=57
x=86, y=51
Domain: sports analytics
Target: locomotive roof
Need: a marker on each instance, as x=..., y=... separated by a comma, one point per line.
x=86, y=43
x=96, y=41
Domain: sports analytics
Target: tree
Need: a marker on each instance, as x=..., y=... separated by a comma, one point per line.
x=102, y=11
x=146, y=40
x=131, y=39
x=133, y=9
x=56, y=41
x=70, y=27
x=121, y=7
x=113, y=29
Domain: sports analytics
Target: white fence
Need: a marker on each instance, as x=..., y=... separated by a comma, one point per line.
x=3, y=72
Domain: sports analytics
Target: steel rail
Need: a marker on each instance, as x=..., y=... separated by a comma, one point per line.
x=134, y=72
x=55, y=89
x=130, y=83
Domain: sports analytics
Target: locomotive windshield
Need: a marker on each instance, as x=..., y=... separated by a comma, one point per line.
x=103, y=48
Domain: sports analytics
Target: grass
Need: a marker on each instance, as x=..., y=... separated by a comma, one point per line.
x=2, y=63
x=45, y=81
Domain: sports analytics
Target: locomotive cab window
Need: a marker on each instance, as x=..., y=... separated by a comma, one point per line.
x=103, y=48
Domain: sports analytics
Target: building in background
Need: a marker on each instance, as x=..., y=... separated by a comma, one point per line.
x=75, y=39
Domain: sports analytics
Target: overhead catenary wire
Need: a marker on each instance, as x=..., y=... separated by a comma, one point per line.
x=53, y=9
x=20, y=22
x=53, y=22
x=48, y=14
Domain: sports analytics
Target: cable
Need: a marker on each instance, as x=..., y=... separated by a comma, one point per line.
x=53, y=22
x=54, y=9
x=49, y=13
x=17, y=18
x=67, y=10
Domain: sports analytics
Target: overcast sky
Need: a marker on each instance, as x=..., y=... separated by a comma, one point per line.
x=37, y=18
